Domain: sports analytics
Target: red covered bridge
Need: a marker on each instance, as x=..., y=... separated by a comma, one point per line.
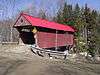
x=43, y=33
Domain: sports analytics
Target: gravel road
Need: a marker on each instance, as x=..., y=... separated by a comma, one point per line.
x=12, y=63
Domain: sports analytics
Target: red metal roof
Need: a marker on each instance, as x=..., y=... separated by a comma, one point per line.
x=46, y=24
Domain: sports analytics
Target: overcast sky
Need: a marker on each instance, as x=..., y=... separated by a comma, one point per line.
x=48, y=5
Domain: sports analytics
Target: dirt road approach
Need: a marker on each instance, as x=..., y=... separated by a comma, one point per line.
x=17, y=64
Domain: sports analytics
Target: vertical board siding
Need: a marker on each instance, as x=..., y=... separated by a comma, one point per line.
x=48, y=40
x=69, y=39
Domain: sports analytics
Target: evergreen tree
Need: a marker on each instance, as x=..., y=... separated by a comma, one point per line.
x=77, y=11
x=90, y=18
x=86, y=22
x=59, y=17
x=42, y=14
x=98, y=34
x=64, y=14
x=79, y=24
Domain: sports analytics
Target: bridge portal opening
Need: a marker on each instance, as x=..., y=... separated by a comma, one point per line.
x=27, y=37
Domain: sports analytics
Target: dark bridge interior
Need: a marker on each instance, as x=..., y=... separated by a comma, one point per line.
x=27, y=37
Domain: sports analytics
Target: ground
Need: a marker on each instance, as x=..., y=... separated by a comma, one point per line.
x=16, y=60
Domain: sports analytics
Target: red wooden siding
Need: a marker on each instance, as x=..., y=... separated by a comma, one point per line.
x=61, y=40
x=70, y=39
x=48, y=40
